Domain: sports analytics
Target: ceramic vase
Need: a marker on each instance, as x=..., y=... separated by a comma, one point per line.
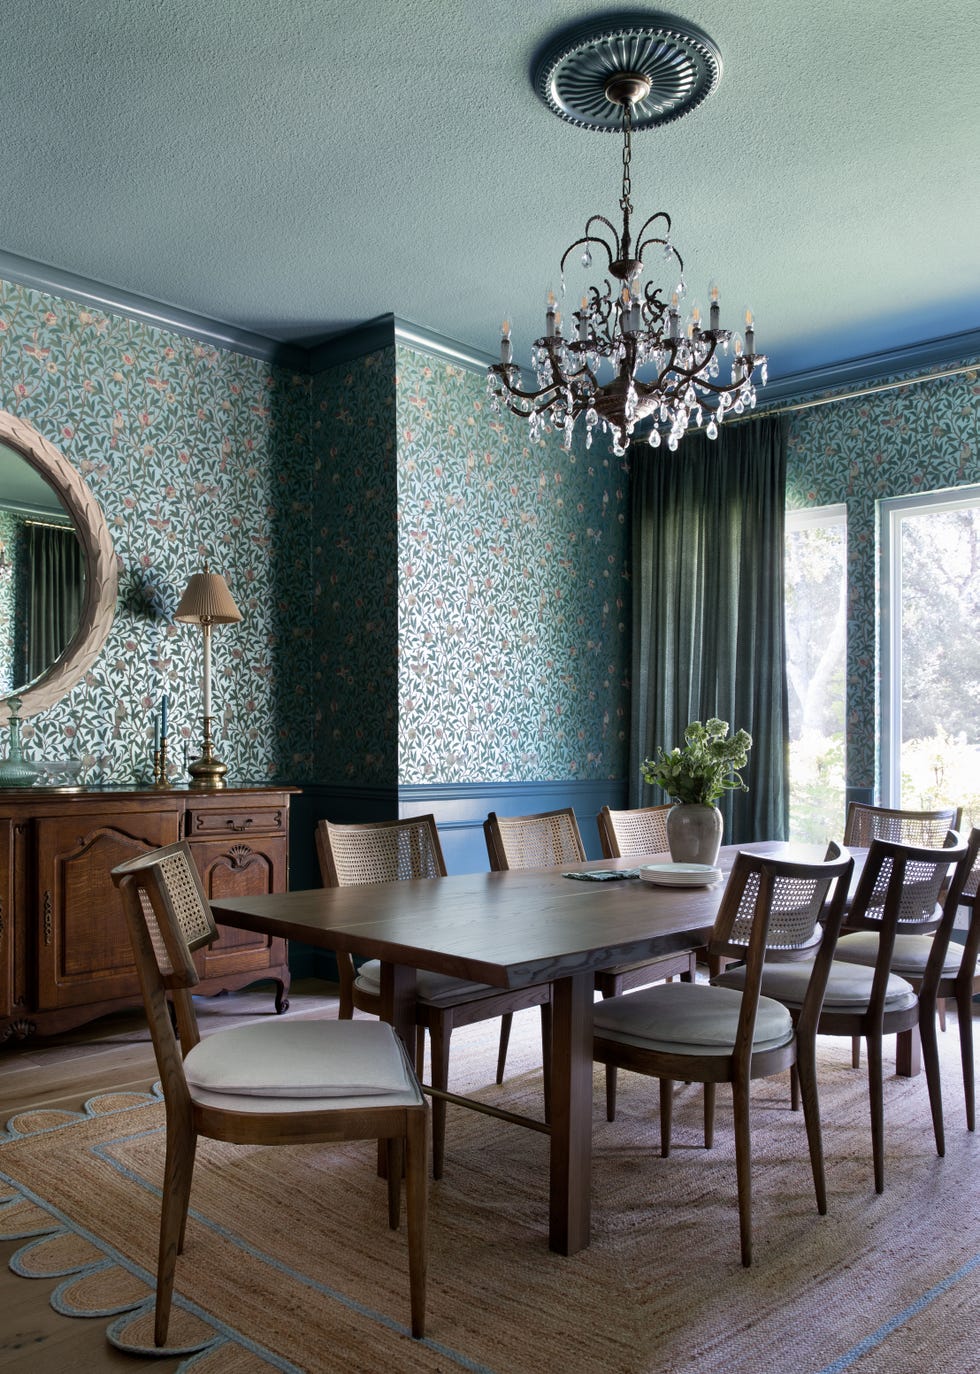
x=694, y=832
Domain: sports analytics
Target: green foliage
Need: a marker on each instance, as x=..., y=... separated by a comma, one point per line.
x=817, y=788
x=942, y=770
x=706, y=767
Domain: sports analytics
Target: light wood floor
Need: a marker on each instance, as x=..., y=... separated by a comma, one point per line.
x=111, y=1054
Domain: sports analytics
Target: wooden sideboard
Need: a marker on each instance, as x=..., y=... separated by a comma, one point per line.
x=65, y=956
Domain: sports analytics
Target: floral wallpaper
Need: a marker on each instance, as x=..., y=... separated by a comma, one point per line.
x=428, y=597
x=355, y=603
x=192, y=452
x=513, y=591
x=917, y=438
x=472, y=594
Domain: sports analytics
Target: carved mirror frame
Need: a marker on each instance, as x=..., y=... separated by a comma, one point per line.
x=101, y=572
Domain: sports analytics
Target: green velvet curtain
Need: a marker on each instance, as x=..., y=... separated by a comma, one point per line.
x=708, y=617
x=55, y=594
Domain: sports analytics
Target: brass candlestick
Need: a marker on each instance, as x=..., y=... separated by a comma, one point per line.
x=160, y=764
x=207, y=771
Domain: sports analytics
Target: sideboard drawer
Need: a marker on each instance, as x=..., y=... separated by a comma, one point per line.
x=232, y=820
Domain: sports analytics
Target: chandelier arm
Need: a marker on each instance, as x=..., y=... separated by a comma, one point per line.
x=588, y=240
x=601, y=219
x=562, y=382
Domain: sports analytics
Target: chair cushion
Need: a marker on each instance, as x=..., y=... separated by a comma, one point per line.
x=430, y=987
x=848, y=988
x=332, y=1061
x=910, y=957
x=688, y=1018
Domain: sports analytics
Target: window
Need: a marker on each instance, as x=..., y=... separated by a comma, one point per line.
x=816, y=627
x=930, y=651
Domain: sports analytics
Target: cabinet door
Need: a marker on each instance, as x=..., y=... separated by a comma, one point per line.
x=84, y=954
x=241, y=870
x=6, y=919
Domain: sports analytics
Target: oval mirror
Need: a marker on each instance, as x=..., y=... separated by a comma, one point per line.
x=58, y=576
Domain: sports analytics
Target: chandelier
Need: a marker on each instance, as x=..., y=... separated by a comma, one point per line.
x=627, y=356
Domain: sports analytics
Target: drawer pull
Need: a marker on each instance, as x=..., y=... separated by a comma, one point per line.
x=238, y=826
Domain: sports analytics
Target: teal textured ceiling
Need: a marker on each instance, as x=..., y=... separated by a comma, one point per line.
x=293, y=168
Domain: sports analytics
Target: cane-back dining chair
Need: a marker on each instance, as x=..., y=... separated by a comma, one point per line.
x=895, y=894
x=957, y=981
x=392, y=851
x=642, y=830
x=623, y=834
x=546, y=839
x=865, y=823
x=703, y=1033
x=277, y=1082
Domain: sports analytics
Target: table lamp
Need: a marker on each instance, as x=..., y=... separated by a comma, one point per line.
x=206, y=602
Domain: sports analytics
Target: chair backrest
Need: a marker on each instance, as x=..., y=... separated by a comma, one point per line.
x=796, y=897
x=538, y=841
x=970, y=898
x=168, y=916
x=867, y=823
x=897, y=893
x=971, y=883
x=768, y=899
x=379, y=851
x=642, y=831
x=901, y=884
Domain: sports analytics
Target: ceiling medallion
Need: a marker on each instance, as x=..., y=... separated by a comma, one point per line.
x=627, y=75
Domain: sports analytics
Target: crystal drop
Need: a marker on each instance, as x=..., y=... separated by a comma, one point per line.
x=587, y=257
x=672, y=444
x=712, y=430
x=654, y=439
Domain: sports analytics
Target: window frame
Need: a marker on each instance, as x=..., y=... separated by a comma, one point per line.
x=891, y=510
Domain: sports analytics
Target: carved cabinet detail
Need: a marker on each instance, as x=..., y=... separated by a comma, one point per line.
x=64, y=949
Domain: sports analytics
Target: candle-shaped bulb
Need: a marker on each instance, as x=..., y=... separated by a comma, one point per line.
x=506, y=351
x=583, y=321
x=715, y=308
x=749, y=332
x=549, y=316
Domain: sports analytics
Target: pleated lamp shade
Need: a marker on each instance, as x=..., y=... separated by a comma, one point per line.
x=207, y=601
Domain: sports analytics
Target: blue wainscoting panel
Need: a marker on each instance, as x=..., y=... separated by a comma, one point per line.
x=460, y=810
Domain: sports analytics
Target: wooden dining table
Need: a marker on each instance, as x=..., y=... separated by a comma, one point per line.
x=509, y=930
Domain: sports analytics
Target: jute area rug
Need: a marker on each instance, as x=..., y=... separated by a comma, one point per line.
x=289, y=1264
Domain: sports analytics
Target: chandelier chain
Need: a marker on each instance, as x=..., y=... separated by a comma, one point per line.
x=625, y=203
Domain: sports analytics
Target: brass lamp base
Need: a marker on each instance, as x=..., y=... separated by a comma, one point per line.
x=207, y=771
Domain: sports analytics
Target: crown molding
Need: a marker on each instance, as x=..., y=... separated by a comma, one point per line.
x=384, y=331
x=53, y=281
x=930, y=355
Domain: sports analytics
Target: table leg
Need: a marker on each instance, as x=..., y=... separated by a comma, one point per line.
x=908, y=1053
x=571, y=1113
x=398, y=1009
x=398, y=1002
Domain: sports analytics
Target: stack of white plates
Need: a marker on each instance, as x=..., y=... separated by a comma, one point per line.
x=680, y=875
